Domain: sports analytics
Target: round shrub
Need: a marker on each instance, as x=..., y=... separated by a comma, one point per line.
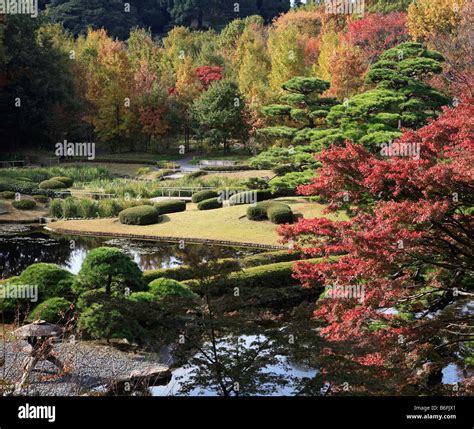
x=203, y=195
x=170, y=206
x=24, y=204
x=257, y=212
x=52, y=184
x=280, y=213
x=212, y=203
x=142, y=297
x=163, y=287
x=53, y=310
x=8, y=195
x=64, y=179
x=140, y=215
x=41, y=198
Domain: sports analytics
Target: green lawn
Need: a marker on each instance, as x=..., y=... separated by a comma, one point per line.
x=225, y=224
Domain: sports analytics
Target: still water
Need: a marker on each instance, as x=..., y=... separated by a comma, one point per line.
x=21, y=246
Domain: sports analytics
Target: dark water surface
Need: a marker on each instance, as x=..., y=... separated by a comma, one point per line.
x=21, y=246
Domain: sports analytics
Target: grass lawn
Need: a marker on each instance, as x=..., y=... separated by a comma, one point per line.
x=225, y=224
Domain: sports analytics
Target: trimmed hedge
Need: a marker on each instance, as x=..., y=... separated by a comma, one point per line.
x=8, y=195
x=185, y=272
x=24, y=204
x=250, y=197
x=52, y=184
x=213, y=203
x=280, y=213
x=266, y=276
x=140, y=215
x=170, y=206
x=203, y=195
x=162, y=288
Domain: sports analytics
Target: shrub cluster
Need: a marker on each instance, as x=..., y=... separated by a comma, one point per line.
x=203, y=195
x=140, y=215
x=265, y=276
x=273, y=210
x=24, y=204
x=212, y=203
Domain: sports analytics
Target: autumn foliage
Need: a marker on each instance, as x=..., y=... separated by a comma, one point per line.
x=408, y=243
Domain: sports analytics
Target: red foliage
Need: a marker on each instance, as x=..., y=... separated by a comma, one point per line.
x=376, y=32
x=410, y=237
x=209, y=74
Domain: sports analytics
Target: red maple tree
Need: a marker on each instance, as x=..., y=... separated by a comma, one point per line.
x=407, y=245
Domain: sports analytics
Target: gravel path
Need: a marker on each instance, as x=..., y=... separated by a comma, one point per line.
x=88, y=365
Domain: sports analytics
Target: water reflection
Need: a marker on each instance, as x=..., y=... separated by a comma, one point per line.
x=21, y=247
x=247, y=365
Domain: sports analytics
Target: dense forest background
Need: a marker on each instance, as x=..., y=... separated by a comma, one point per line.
x=141, y=75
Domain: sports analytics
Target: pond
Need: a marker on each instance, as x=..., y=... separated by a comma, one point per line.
x=21, y=246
